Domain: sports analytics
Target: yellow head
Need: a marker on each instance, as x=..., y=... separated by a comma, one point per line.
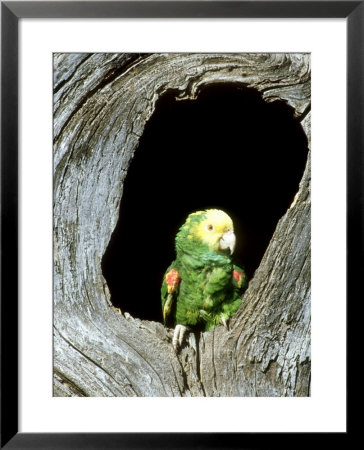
x=212, y=227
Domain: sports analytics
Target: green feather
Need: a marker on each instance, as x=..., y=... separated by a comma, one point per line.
x=208, y=290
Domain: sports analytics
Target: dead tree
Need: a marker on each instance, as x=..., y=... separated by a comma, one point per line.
x=101, y=105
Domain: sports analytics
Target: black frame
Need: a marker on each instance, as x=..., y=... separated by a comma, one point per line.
x=11, y=12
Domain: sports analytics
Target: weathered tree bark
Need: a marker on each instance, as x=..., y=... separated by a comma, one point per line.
x=101, y=105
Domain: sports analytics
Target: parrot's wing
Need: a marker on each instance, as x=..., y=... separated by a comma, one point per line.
x=239, y=278
x=169, y=292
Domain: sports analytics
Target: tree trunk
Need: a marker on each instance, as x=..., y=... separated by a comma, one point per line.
x=101, y=105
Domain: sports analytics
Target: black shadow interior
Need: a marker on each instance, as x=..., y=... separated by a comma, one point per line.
x=228, y=149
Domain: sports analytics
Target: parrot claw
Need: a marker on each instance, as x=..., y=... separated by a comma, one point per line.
x=225, y=323
x=178, y=335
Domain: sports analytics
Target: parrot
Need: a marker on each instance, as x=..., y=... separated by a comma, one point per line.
x=202, y=288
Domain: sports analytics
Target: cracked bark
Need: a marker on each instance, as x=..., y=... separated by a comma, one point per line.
x=101, y=105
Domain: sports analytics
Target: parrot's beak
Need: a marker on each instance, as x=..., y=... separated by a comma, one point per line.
x=227, y=241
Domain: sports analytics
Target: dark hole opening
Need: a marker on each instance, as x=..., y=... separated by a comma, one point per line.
x=230, y=150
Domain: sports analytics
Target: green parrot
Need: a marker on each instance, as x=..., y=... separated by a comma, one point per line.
x=202, y=287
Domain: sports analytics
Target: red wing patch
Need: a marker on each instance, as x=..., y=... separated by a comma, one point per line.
x=172, y=280
x=239, y=277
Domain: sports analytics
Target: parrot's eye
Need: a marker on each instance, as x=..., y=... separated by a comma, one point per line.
x=210, y=228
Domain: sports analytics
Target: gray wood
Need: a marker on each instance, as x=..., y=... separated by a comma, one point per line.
x=101, y=105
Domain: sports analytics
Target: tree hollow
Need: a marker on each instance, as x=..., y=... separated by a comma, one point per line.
x=102, y=105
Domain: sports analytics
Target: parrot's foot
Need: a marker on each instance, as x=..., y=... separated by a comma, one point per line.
x=225, y=323
x=178, y=335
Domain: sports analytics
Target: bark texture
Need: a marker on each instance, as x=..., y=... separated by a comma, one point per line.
x=101, y=105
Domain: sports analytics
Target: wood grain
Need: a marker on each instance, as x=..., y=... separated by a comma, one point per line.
x=101, y=105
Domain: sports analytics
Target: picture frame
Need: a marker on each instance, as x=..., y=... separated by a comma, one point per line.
x=11, y=13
